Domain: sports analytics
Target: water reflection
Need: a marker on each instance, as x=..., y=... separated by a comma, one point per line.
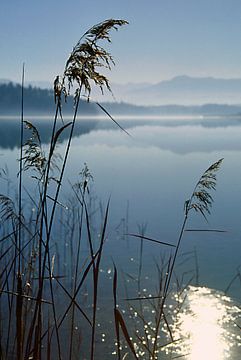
x=206, y=327
x=176, y=134
x=179, y=139
x=10, y=130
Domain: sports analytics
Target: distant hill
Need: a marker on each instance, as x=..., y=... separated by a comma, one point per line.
x=36, y=101
x=182, y=110
x=187, y=90
x=181, y=90
x=41, y=101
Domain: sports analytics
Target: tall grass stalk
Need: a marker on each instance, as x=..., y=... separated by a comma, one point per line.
x=19, y=302
x=200, y=201
x=32, y=281
x=32, y=259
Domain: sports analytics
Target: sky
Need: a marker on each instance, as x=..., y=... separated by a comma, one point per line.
x=164, y=38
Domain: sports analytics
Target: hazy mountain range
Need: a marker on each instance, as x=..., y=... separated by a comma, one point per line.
x=180, y=95
x=181, y=90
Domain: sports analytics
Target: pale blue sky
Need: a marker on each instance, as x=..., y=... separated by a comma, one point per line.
x=165, y=38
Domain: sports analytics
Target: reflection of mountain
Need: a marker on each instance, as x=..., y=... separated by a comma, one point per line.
x=176, y=136
x=171, y=122
x=10, y=130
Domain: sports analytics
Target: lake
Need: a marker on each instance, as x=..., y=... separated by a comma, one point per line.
x=148, y=176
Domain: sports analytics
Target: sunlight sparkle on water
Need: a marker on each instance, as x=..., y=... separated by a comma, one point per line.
x=205, y=326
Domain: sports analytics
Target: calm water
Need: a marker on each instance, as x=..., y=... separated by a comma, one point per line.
x=148, y=177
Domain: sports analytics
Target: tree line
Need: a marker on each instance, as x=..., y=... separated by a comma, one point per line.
x=35, y=99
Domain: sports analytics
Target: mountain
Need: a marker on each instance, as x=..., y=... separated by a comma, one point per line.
x=182, y=90
x=187, y=90
x=172, y=110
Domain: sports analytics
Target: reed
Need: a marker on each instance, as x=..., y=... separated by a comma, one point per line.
x=42, y=298
x=33, y=291
x=151, y=341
